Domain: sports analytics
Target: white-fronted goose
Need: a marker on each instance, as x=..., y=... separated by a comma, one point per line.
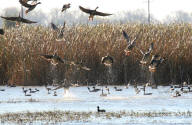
x=93, y=13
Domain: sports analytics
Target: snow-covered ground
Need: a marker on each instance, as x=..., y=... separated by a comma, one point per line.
x=79, y=99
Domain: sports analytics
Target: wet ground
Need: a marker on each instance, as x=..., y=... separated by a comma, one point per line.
x=79, y=99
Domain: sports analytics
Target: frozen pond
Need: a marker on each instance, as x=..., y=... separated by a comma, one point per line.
x=79, y=99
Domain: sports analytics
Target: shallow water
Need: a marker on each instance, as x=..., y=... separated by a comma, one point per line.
x=79, y=99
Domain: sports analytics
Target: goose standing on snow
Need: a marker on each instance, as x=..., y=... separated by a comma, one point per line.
x=100, y=110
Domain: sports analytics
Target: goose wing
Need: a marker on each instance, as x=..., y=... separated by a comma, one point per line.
x=10, y=18
x=126, y=36
x=102, y=14
x=85, y=10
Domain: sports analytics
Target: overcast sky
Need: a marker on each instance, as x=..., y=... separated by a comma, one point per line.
x=159, y=8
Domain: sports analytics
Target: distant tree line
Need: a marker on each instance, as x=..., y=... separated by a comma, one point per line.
x=75, y=17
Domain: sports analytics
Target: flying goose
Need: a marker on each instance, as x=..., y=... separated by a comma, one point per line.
x=18, y=20
x=146, y=55
x=54, y=59
x=107, y=60
x=65, y=7
x=29, y=6
x=79, y=66
x=93, y=12
x=155, y=62
x=131, y=44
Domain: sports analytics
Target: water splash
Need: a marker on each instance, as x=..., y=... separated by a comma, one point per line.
x=54, y=74
x=144, y=72
x=152, y=78
x=110, y=75
x=68, y=94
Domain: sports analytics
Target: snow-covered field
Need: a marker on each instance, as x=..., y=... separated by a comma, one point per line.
x=79, y=99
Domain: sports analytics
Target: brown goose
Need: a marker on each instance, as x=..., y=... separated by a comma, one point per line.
x=29, y=6
x=146, y=55
x=54, y=59
x=107, y=60
x=155, y=62
x=65, y=7
x=131, y=44
x=93, y=12
x=79, y=66
x=18, y=20
x=2, y=32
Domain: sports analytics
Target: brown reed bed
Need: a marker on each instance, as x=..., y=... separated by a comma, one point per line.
x=70, y=116
x=20, y=49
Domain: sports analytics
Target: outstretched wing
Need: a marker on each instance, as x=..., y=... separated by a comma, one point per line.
x=27, y=21
x=10, y=18
x=102, y=14
x=126, y=36
x=85, y=10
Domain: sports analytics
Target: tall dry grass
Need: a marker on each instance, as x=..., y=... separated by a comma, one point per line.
x=20, y=49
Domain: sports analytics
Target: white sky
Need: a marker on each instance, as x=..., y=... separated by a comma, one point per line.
x=159, y=8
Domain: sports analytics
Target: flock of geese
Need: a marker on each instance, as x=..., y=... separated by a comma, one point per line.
x=108, y=60
x=156, y=60
x=175, y=90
